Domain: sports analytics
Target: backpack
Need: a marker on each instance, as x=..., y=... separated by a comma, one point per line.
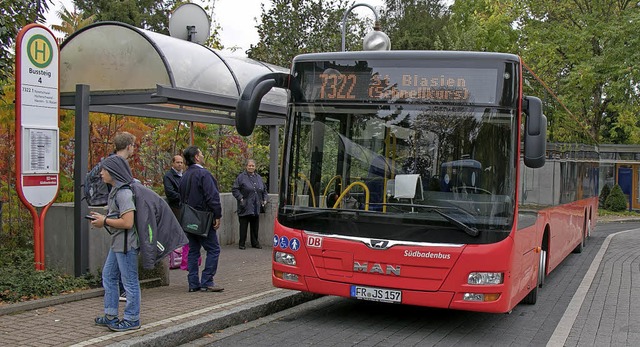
x=159, y=232
x=96, y=191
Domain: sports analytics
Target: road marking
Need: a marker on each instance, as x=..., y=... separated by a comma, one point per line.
x=176, y=318
x=563, y=328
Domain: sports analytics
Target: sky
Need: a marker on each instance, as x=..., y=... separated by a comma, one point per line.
x=237, y=19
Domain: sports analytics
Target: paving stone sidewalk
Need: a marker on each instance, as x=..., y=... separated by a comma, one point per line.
x=170, y=315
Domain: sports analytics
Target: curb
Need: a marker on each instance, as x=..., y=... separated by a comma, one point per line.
x=189, y=331
x=620, y=220
x=50, y=301
x=59, y=299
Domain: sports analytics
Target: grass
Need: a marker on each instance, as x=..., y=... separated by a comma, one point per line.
x=626, y=213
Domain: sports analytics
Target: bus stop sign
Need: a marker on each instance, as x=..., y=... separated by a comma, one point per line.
x=37, y=102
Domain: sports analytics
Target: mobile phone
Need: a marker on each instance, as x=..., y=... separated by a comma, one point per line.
x=90, y=217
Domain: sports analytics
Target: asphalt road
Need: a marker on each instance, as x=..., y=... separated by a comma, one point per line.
x=333, y=321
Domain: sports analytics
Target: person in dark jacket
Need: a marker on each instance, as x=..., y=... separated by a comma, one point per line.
x=171, y=181
x=199, y=189
x=251, y=194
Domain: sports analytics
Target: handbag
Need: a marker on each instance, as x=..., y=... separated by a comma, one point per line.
x=195, y=221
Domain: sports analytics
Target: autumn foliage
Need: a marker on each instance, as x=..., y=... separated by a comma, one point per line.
x=157, y=142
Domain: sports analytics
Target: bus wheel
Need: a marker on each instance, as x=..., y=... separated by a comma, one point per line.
x=542, y=272
x=580, y=247
x=532, y=297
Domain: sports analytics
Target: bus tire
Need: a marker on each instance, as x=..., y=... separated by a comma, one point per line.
x=542, y=268
x=580, y=247
x=532, y=297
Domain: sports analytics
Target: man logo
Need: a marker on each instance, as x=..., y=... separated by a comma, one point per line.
x=378, y=244
x=376, y=268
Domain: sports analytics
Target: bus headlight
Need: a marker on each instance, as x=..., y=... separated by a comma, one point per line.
x=482, y=278
x=480, y=297
x=285, y=276
x=284, y=258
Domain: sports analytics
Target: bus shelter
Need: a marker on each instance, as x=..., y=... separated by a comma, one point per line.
x=116, y=68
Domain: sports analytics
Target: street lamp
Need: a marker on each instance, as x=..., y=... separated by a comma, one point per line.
x=373, y=41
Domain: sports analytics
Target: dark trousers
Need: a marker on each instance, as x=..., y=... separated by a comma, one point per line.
x=253, y=222
x=212, y=247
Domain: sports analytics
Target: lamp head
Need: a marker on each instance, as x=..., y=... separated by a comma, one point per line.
x=376, y=40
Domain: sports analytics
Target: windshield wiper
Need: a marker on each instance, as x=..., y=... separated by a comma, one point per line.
x=471, y=231
x=309, y=214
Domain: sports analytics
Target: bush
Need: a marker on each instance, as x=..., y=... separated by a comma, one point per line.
x=616, y=201
x=20, y=281
x=604, y=193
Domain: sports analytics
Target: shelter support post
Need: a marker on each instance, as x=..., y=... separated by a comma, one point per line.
x=81, y=229
x=273, y=159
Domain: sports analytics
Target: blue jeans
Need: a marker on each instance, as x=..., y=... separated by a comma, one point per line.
x=126, y=264
x=212, y=247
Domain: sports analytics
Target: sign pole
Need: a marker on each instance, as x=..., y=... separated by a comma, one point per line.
x=37, y=126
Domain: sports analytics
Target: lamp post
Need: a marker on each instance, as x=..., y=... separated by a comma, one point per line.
x=373, y=41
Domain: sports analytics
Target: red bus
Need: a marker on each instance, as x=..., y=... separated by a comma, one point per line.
x=421, y=178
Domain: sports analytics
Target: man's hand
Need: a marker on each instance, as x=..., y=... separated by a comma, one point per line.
x=217, y=224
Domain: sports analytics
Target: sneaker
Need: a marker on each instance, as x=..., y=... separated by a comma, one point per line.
x=212, y=289
x=191, y=290
x=105, y=321
x=123, y=296
x=125, y=325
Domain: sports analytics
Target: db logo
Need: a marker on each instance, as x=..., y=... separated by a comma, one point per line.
x=314, y=241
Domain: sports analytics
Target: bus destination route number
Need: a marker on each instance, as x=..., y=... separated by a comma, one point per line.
x=376, y=294
x=358, y=86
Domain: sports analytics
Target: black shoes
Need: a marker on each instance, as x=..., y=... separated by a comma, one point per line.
x=191, y=290
x=243, y=247
x=212, y=289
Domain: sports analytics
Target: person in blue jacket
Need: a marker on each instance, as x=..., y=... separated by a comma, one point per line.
x=199, y=189
x=251, y=194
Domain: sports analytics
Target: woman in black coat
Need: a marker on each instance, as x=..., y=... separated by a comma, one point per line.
x=251, y=194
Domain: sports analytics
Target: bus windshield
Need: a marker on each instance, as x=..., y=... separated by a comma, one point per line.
x=443, y=173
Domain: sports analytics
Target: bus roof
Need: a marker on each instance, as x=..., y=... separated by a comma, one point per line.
x=403, y=55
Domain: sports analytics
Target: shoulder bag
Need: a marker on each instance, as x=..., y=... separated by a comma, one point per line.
x=194, y=221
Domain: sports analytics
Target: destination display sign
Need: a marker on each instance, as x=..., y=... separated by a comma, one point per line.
x=327, y=81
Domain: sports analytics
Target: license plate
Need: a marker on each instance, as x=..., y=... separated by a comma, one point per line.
x=376, y=294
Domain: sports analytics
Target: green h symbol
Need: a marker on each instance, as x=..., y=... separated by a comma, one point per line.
x=40, y=49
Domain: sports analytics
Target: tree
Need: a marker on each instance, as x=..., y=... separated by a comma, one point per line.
x=416, y=24
x=15, y=14
x=71, y=21
x=147, y=14
x=616, y=201
x=604, y=193
x=292, y=27
x=589, y=52
x=484, y=25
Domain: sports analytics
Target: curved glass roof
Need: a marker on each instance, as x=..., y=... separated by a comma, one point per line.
x=138, y=72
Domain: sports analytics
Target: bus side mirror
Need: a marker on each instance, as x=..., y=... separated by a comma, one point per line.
x=248, y=104
x=535, y=133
